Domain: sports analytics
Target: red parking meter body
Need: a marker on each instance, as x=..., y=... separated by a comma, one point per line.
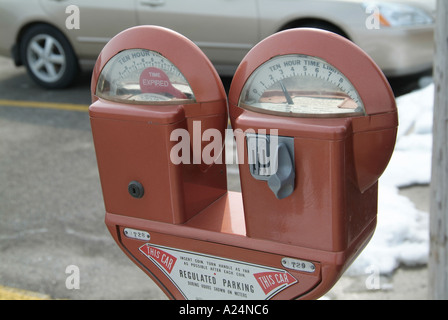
x=158, y=109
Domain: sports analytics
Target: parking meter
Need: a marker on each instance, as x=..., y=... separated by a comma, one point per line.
x=335, y=122
x=315, y=131
x=145, y=87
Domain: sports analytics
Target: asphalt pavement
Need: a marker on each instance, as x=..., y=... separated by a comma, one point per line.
x=52, y=211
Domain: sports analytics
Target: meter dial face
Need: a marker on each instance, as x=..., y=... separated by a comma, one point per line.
x=141, y=76
x=300, y=86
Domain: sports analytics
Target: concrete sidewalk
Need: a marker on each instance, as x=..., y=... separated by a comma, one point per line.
x=405, y=283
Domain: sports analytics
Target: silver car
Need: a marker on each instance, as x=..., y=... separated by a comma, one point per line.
x=55, y=39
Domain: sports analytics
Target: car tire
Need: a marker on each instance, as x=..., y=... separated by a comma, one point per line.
x=48, y=57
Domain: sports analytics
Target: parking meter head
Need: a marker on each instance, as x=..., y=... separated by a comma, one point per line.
x=152, y=91
x=308, y=74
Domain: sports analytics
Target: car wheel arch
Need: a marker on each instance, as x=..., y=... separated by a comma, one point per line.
x=316, y=23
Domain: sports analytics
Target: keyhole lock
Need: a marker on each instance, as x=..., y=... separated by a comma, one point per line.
x=135, y=189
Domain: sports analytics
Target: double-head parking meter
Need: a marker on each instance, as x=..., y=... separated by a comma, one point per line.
x=314, y=121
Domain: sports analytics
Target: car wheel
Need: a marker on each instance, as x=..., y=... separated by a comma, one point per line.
x=48, y=57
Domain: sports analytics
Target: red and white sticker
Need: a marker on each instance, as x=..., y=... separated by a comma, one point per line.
x=154, y=80
x=200, y=276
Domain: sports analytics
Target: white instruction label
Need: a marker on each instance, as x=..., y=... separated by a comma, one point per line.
x=201, y=276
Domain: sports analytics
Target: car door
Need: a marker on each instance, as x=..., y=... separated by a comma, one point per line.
x=224, y=29
x=99, y=21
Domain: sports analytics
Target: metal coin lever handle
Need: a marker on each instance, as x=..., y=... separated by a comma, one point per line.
x=281, y=182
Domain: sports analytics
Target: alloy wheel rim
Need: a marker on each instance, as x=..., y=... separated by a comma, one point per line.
x=46, y=58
